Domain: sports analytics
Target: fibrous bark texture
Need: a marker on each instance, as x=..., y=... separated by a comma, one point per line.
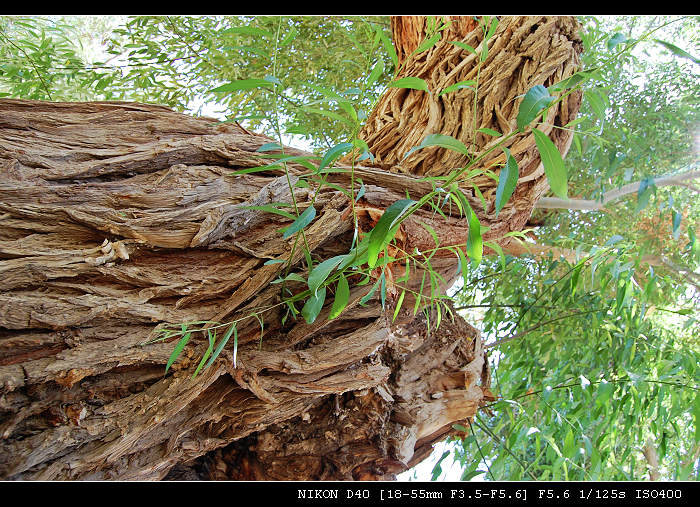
x=119, y=218
x=523, y=52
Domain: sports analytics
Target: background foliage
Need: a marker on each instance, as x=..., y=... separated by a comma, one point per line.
x=595, y=354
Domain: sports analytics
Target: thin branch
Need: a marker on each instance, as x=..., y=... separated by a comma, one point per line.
x=652, y=458
x=529, y=330
x=613, y=195
x=31, y=62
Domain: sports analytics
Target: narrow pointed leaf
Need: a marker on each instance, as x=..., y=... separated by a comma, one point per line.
x=380, y=233
x=388, y=46
x=475, y=247
x=247, y=30
x=342, y=295
x=398, y=304
x=442, y=141
x=535, y=100
x=676, y=225
x=335, y=152
x=206, y=355
x=678, y=51
x=490, y=132
x=464, y=46
x=616, y=39
x=222, y=344
x=553, y=164
x=507, y=180
x=371, y=292
x=458, y=86
x=302, y=221
x=427, y=44
x=243, y=84
x=376, y=73
x=313, y=305
x=319, y=274
x=598, y=101
x=414, y=83
x=178, y=349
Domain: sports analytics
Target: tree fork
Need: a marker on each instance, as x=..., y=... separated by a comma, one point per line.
x=120, y=217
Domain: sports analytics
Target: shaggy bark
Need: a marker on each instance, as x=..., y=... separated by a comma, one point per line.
x=118, y=218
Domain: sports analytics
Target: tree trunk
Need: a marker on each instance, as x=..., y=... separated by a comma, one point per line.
x=120, y=218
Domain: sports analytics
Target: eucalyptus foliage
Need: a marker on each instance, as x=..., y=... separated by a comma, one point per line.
x=596, y=361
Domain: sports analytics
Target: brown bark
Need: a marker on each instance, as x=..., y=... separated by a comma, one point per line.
x=118, y=218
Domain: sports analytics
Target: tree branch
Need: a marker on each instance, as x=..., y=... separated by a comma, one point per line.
x=613, y=195
x=652, y=458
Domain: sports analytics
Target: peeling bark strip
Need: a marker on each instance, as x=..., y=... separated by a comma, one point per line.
x=116, y=218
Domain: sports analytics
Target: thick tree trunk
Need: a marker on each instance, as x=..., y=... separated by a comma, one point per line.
x=118, y=218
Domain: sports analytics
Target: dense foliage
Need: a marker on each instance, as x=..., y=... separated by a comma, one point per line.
x=593, y=338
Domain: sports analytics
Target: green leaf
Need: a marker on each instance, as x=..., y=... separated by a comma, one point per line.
x=371, y=292
x=329, y=114
x=442, y=141
x=469, y=475
x=678, y=51
x=376, y=73
x=247, y=30
x=302, y=221
x=497, y=248
x=463, y=263
x=398, y=304
x=342, y=295
x=493, y=24
x=676, y=225
x=696, y=416
x=313, y=305
x=206, y=355
x=427, y=44
x=178, y=349
x=269, y=147
x=507, y=180
x=319, y=274
x=414, y=83
x=291, y=277
x=644, y=192
x=458, y=86
x=334, y=153
x=603, y=393
x=598, y=101
x=380, y=233
x=552, y=443
x=289, y=36
x=388, y=46
x=243, y=84
x=464, y=46
x=616, y=39
x=535, y=100
x=361, y=191
x=222, y=344
x=571, y=81
x=490, y=132
x=475, y=247
x=553, y=164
